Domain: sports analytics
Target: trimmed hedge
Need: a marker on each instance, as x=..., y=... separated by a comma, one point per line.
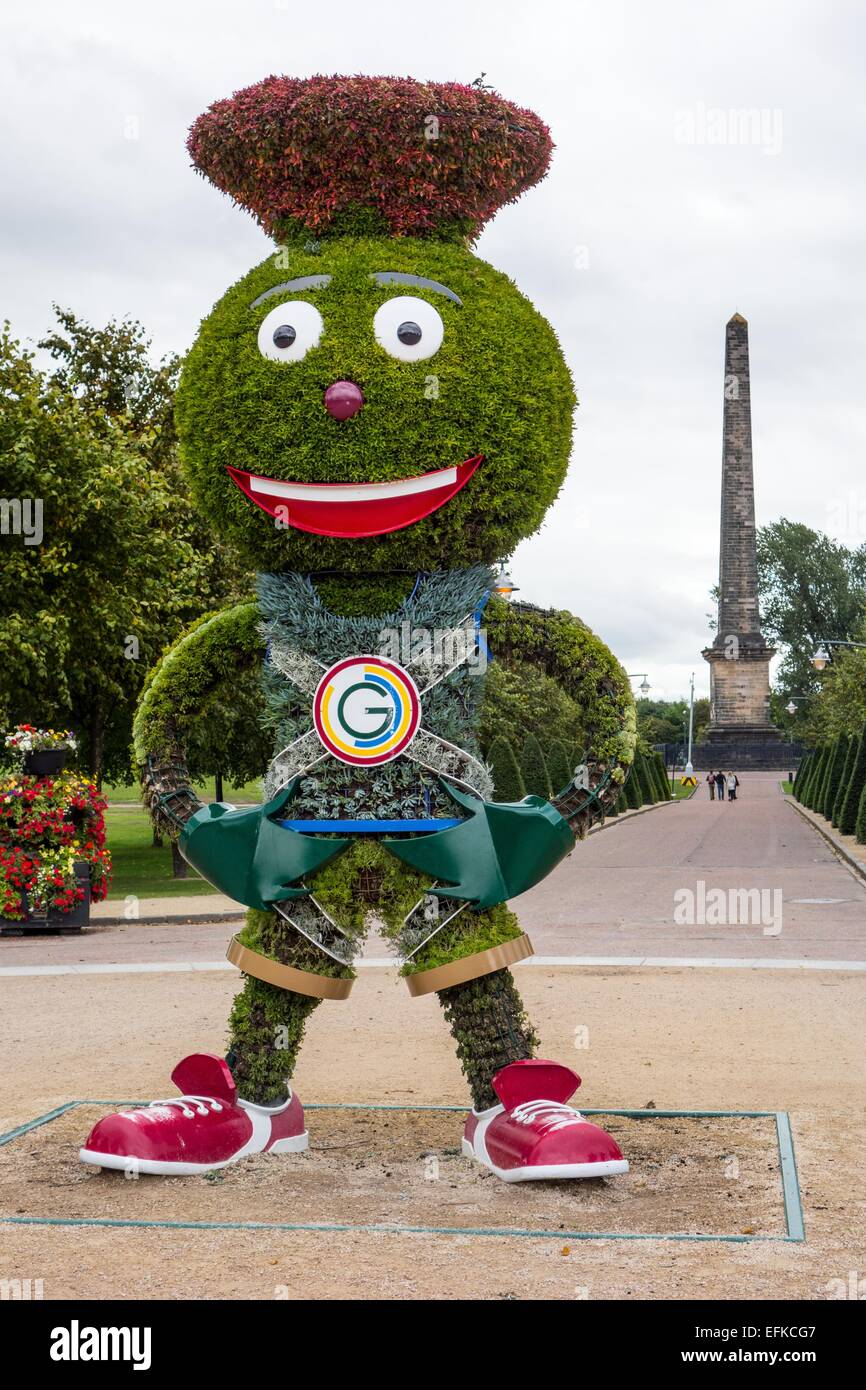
x=660, y=774
x=558, y=766
x=801, y=776
x=816, y=776
x=533, y=769
x=854, y=788
x=633, y=792
x=850, y=756
x=648, y=790
x=508, y=782
x=811, y=792
x=834, y=775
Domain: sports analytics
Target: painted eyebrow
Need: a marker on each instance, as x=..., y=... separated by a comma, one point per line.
x=303, y=282
x=399, y=277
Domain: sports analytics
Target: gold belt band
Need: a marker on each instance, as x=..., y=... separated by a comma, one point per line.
x=457, y=972
x=286, y=976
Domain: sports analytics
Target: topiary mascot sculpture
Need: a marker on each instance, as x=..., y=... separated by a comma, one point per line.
x=376, y=417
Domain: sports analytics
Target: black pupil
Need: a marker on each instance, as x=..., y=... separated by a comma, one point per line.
x=284, y=336
x=409, y=333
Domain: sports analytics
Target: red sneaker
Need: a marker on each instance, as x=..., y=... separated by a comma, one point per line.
x=206, y=1127
x=533, y=1135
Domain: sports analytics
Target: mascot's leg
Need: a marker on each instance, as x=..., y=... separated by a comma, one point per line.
x=520, y=1127
x=243, y=1104
x=270, y=1013
x=489, y=1024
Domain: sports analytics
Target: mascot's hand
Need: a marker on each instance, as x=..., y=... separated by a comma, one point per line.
x=499, y=850
x=248, y=856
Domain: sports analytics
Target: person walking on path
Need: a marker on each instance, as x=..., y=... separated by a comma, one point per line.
x=720, y=786
x=733, y=783
x=711, y=783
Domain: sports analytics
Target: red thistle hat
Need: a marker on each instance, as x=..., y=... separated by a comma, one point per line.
x=370, y=155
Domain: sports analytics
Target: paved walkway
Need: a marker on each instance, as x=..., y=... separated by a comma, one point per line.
x=614, y=899
x=616, y=893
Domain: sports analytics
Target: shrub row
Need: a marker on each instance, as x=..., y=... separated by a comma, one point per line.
x=831, y=780
x=532, y=769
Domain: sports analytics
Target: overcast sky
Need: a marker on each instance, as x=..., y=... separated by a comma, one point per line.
x=665, y=210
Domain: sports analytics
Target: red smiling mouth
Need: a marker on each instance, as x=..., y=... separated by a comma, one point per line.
x=353, y=510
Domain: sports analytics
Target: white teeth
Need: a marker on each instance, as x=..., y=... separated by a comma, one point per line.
x=353, y=492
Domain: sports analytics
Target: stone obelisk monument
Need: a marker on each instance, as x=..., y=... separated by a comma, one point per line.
x=740, y=728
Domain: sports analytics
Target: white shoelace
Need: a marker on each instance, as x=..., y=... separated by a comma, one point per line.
x=546, y=1114
x=191, y=1105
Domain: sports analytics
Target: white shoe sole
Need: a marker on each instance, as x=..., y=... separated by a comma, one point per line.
x=550, y=1172
x=153, y=1167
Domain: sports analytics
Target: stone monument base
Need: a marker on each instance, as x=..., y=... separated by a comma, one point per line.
x=751, y=750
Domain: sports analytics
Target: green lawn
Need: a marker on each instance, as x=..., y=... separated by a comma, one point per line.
x=788, y=787
x=139, y=867
x=130, y=791
x=679, y=791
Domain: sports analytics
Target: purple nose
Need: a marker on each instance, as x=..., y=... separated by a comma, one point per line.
x=343, y=399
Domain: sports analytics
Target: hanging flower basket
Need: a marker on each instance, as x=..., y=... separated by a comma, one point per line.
x=43, y=752
x=47, y=762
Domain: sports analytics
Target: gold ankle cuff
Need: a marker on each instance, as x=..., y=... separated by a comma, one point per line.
x=286, y=976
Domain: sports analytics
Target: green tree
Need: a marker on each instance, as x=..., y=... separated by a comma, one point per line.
x=811, y=589
x=667, y=721
x=860, y=825
x=840, y=705
x=533, y=768
x=854, y=789
x=507, y=779
x=124, y=563
x=110, y=372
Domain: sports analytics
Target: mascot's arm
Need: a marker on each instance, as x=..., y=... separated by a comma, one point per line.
x=209, y=654
x=567, y=650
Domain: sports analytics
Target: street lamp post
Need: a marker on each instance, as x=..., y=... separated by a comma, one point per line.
x=644, y=686
x=823, y=658
x=794, y=700
x=689, y=768
x=505, y=585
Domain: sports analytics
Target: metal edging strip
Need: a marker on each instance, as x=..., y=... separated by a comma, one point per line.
x=791, y=1197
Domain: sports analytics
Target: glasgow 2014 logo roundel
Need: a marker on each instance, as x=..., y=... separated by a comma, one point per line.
x=366, y=710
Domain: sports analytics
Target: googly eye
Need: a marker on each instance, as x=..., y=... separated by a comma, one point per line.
x=288, y=332
x=408, y=328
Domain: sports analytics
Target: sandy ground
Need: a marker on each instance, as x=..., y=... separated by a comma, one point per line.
x=683, y=1039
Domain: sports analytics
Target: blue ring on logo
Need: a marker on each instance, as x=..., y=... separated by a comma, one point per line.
x=398, y=713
